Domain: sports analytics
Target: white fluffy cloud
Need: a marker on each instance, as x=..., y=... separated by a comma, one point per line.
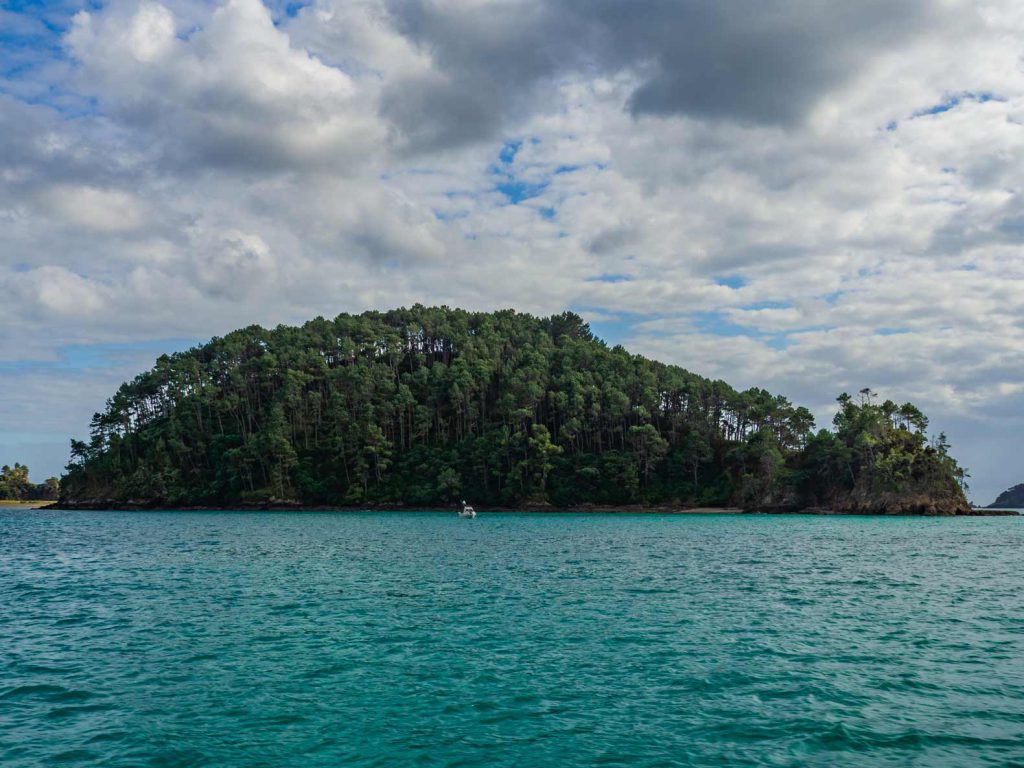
x=812, y=202
x=232, y=92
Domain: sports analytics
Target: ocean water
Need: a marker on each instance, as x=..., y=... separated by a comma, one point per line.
x=363, y=639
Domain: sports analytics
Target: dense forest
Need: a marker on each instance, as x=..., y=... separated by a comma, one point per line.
x=426, y=406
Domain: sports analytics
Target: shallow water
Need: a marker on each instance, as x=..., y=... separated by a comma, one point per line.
x=359, y=639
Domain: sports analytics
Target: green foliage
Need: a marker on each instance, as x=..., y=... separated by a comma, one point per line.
x=761, y=468
x=876, y=450
x=426, y=406
x=14, y=484
x=14, y=481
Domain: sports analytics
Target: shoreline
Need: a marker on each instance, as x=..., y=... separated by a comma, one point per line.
x=25, y=503
x=659, y=509
x=655, y=509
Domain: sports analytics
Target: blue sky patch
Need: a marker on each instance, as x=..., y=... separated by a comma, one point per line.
x=509, y=150
x=282, y=10
x=611, y=329
x=756, y=305
x=516, y=191
x=82, y=357
x=731, y=281
x=30, y=44
x=717, y=323
x=610, y=278
x=450, y=215
x=955, y=100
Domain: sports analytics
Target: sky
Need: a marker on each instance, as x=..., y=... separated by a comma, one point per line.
x=802, y=196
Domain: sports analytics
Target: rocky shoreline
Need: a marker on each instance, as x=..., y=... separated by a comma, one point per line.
x=279, y=505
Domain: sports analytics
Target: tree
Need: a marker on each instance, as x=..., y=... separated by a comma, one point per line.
x=14, y=481
x=696, y=452
x=537, y=465
x=448, y=484
x=649, y=447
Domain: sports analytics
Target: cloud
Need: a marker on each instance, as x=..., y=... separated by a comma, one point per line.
x=231, y=263
x=232, y=93
x=748, y=61
x=94, y=208
x=745, y=62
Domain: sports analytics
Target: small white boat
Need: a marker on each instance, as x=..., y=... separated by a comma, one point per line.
x=467, y=511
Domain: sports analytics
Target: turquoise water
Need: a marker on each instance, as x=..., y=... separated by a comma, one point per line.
x=237, y=639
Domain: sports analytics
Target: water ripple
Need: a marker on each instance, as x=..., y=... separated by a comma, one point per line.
x=235, y=639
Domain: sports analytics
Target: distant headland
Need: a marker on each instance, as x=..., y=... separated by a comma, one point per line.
x=1012, y=498
x=417, y=408
x=16, y=490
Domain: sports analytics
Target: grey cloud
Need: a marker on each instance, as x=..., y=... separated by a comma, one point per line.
x=966, y=231
x=747, y=62
x=489, y=61
x=433, y=114
x=613, y=239
x=752, y=61
x=38, y=147
x=1011, y=226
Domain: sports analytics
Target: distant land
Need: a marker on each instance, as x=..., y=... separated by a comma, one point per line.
x=422, y=407
x=17, y=490
x=1012, y=498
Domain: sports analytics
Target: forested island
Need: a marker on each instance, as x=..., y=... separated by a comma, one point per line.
x=422, y=407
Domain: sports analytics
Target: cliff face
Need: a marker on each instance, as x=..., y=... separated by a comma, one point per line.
x=929, y=490
x=1012, y=498
x=906, y=503
x=927, y=496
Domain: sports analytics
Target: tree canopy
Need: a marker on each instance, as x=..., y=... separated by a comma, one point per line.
x=880, y=458
x=15, y=485
x=424, y=406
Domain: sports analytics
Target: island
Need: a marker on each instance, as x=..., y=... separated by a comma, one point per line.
x=1011, y=498
x=422, y=407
